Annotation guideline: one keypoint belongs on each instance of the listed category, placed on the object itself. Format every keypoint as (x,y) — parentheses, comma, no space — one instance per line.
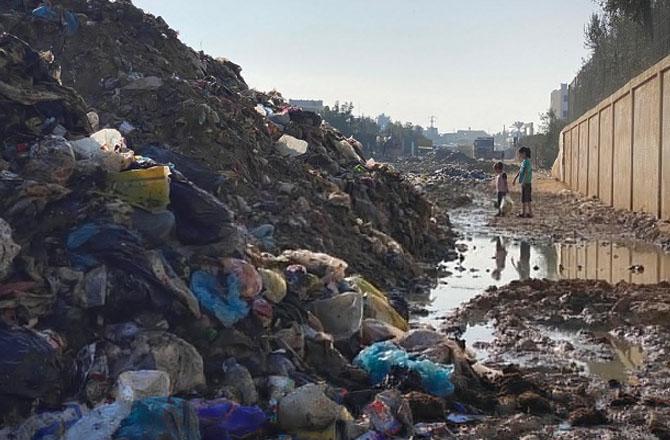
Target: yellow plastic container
(377,306)
(148,188)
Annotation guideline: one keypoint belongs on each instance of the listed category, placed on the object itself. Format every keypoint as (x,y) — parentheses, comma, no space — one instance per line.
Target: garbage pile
(448,178)
(144,294)
(280,170)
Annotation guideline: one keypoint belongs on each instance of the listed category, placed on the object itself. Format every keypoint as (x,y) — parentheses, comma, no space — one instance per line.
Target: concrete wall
(619,151)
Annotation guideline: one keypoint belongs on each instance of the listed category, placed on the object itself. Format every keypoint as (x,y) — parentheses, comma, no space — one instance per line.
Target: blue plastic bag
(222,419)
(225,304)
(378,360)
(47,13)
(70,22)
(160,418)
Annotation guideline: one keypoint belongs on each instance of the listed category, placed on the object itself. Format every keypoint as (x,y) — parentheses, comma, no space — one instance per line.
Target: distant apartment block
(307,104)
(559,102)
(383,121)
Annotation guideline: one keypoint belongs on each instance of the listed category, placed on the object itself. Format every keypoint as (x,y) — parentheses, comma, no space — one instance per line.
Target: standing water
(488,258)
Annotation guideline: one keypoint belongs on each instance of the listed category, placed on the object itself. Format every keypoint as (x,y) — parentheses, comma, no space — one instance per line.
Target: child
(525,177)
(501,186)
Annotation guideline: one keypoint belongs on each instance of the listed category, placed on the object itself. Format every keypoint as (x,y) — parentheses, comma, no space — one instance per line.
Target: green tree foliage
(366,130)
(625,38)
(545,143)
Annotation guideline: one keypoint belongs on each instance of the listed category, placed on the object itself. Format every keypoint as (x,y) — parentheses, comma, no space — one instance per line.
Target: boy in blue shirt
(525,177)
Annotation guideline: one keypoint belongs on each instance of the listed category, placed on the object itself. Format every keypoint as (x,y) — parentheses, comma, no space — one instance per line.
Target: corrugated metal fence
(619,151)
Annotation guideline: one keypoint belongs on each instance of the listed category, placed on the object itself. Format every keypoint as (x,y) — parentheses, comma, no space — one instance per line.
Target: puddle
(624,355)
(497,261)
(477,337)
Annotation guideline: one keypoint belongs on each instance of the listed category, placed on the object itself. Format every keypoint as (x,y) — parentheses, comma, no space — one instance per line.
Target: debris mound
(177,251)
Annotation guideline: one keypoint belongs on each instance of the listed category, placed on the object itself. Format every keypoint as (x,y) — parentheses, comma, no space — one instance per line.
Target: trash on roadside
(379,358)
(223,419)
(147,188)
(159,418)
(340,315)
(8,249)
(52,424)
(291,147)
(274,285)
(307,408)
(106,148)
(137,385)
(214,298)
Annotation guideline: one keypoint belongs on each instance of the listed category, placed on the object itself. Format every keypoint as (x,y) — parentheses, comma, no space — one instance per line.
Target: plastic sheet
(379,358)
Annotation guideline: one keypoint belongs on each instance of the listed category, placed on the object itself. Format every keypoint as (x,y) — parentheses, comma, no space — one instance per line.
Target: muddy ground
(582,359)
(594,358)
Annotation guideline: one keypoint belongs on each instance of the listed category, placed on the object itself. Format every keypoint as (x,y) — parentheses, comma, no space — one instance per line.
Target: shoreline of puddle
(487,258)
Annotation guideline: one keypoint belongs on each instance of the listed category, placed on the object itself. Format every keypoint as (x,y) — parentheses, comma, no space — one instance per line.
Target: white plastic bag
(507,205)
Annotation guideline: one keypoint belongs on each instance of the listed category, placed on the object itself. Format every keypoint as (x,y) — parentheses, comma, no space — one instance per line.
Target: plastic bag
(221,419)
(100,423)
(201,218)
(378,360)
(226,306)
(507,205)
(137,385)
(50,425)
(30,368)
(160,418)
(341,315)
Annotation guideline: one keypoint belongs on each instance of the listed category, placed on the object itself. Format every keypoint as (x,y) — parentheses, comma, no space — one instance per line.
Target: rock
(421,339)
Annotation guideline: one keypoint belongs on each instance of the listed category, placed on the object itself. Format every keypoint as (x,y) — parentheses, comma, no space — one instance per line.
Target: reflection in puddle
(609,262)
(496,261)
(477,337)
(626,357)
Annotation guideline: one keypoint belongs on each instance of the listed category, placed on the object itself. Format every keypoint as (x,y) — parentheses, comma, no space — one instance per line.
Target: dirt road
(562,215)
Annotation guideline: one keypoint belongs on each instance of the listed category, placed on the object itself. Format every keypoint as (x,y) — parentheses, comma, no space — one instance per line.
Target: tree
(639,11)
(595,32)
(550,128)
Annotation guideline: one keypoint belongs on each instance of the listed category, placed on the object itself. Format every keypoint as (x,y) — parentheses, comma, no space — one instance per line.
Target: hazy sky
(471,63)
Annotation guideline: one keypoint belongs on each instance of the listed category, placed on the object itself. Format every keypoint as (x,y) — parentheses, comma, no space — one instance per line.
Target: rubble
(184,257)
(168,269)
